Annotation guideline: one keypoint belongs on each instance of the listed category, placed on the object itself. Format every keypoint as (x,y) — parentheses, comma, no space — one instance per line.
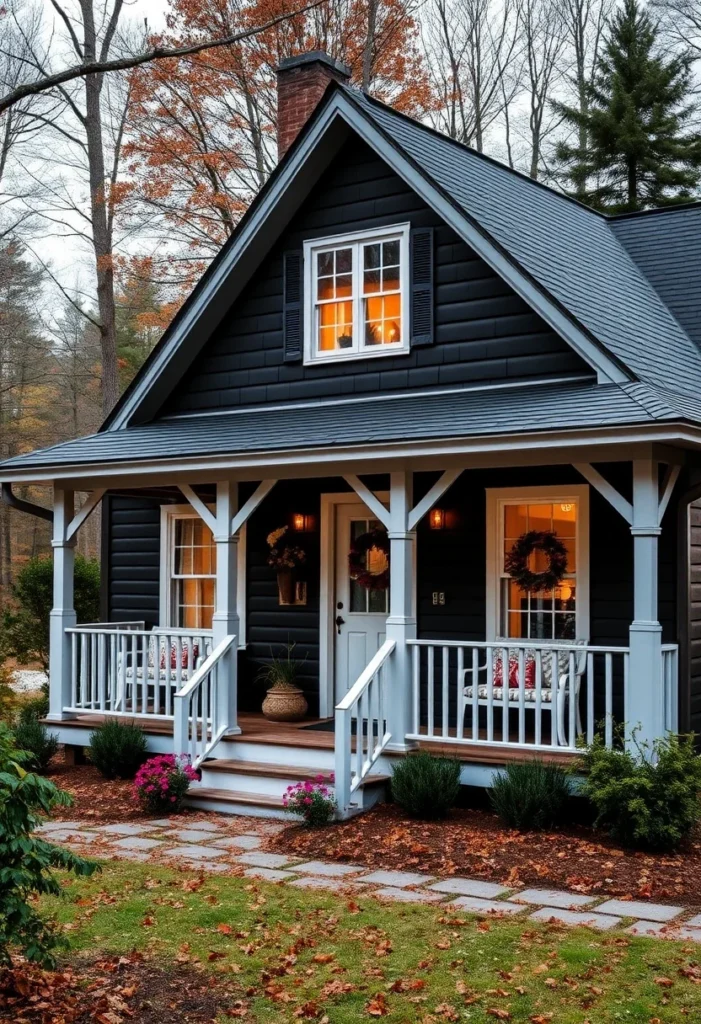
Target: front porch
(450,654)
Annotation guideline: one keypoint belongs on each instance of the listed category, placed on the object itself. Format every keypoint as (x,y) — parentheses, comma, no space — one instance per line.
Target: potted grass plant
(284,701)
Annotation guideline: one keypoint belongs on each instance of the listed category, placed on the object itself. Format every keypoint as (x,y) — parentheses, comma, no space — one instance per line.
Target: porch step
(230,801)
(277,771)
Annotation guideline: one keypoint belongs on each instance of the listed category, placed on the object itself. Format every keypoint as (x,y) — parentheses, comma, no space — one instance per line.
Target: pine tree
(638,153)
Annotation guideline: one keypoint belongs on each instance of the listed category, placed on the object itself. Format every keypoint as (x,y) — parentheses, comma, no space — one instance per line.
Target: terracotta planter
(284,705)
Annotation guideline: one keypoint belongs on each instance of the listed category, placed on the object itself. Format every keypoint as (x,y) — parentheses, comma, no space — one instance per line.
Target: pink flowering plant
(312,800)
(162,782)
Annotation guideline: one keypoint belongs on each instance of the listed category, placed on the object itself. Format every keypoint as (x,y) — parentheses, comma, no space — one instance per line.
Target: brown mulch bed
(114,990)
(474,843)
(96,799)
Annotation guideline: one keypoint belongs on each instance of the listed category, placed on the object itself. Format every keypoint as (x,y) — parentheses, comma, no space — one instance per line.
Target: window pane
(327,339)
(373,333)
(565,519)
(390,253)
(325,288)
(371,281)
(392,306)
(183,561)
(371,256)
(515,520)
(390,279)
(377,601)
(324,263)
(344,261)
(539,517)
(344,286)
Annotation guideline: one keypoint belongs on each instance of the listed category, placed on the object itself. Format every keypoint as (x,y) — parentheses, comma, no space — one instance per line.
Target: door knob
(340,621)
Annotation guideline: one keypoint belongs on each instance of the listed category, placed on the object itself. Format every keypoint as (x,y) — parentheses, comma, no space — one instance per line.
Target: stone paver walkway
(204,845)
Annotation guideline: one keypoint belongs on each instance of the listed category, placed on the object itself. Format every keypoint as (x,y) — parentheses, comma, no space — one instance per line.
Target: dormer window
(357,295)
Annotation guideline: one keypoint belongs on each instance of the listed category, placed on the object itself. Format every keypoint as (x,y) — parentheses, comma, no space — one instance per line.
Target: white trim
(168,514)
(341,107)
(606,490)
(86,509)
(239,521)
(355,240)
(378,509)
(670,479)
(327,591)
(497,498)
(200,508)
(613,437)
(577,378)
(442,484)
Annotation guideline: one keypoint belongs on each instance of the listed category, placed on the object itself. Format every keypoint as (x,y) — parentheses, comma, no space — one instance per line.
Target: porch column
(63,615)
(401,622)
(645,696)
(225,620)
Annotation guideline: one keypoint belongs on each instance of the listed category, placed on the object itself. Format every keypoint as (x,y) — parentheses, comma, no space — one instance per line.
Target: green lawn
(290,955)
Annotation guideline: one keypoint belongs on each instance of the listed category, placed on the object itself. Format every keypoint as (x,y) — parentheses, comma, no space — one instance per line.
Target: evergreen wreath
(516,563)
(356,558)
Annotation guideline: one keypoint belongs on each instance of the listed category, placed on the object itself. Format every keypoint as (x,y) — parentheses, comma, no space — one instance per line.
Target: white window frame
(169,515)
(355,240)
(497,499)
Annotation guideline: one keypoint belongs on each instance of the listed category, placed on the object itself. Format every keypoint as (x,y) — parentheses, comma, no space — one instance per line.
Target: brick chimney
(301,82)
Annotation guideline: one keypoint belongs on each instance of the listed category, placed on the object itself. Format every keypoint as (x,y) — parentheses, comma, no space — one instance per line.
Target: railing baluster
(609,701)
(416,674)
(590,698)
(505,686)
(74,670)
(490,694)
(554,698)
(114,642)
(475,690)
(145,647)
(445,691)
(521,696)
(430,693)
(460,693)
(538,732)
(573,696)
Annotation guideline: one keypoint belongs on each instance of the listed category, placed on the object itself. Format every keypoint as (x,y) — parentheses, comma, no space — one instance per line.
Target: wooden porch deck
(257,729)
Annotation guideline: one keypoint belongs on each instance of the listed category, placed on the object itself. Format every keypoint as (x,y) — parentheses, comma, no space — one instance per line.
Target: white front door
(359,613)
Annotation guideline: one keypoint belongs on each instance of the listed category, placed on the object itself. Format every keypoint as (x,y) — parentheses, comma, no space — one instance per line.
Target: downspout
(11,499)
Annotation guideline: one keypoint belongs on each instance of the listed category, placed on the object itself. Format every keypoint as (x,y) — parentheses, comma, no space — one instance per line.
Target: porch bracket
(607,490)
(248,508)
(436,492)
(670,478)
(373,503)
(199,506)
(88,506)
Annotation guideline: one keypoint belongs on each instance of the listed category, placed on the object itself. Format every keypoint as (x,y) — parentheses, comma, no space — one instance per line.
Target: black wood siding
(484,331)
(452,561)
(695,616)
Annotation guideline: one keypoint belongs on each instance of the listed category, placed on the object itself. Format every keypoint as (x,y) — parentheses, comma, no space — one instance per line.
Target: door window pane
(547,614)
(362,599)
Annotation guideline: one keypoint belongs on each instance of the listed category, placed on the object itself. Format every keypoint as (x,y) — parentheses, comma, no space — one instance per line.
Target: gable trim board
(271,211)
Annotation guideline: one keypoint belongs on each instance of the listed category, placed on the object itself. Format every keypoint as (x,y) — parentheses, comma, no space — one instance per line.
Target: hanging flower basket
(359,557)
(516,563)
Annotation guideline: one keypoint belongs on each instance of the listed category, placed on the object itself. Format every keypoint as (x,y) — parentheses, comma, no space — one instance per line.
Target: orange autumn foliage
(201,134)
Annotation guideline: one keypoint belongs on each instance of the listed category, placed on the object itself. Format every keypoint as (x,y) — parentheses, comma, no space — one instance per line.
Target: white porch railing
(364,705)
(670,684)
(117,669)
(201,707)
(556,692)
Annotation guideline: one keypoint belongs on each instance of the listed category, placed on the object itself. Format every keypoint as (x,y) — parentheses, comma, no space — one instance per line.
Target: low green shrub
(26,859)
(645,795)
(33,708)
(118,749)
(426,786)
(37,741)
(530,794)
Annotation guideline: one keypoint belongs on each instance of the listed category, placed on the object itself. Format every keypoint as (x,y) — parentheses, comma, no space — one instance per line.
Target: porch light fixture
(436,519)
(302,523)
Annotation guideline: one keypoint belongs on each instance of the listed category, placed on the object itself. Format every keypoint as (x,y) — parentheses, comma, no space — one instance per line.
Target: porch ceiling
(517,418)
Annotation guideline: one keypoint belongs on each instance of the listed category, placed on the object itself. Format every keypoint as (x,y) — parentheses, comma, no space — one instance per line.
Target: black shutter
(422,286)
(293,306)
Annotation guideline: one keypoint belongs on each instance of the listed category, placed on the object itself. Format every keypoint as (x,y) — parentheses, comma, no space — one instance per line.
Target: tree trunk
(369,48)
(101,233)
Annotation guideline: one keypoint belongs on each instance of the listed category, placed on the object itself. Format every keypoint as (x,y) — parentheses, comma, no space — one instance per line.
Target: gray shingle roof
(413,417)
(666,245)
(574,253)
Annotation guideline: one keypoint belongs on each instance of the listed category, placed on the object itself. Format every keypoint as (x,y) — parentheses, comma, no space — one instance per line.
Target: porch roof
(519,410)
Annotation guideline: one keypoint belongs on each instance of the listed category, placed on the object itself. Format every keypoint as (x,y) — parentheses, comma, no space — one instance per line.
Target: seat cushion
(546,695)
(162,674)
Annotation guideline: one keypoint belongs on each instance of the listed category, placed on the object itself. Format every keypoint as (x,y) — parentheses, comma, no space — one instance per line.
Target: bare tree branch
(101,67)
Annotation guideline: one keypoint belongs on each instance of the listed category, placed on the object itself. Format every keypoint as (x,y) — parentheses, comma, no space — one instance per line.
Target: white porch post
(63,613)
(645,691)
(225,620)
(401,622)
